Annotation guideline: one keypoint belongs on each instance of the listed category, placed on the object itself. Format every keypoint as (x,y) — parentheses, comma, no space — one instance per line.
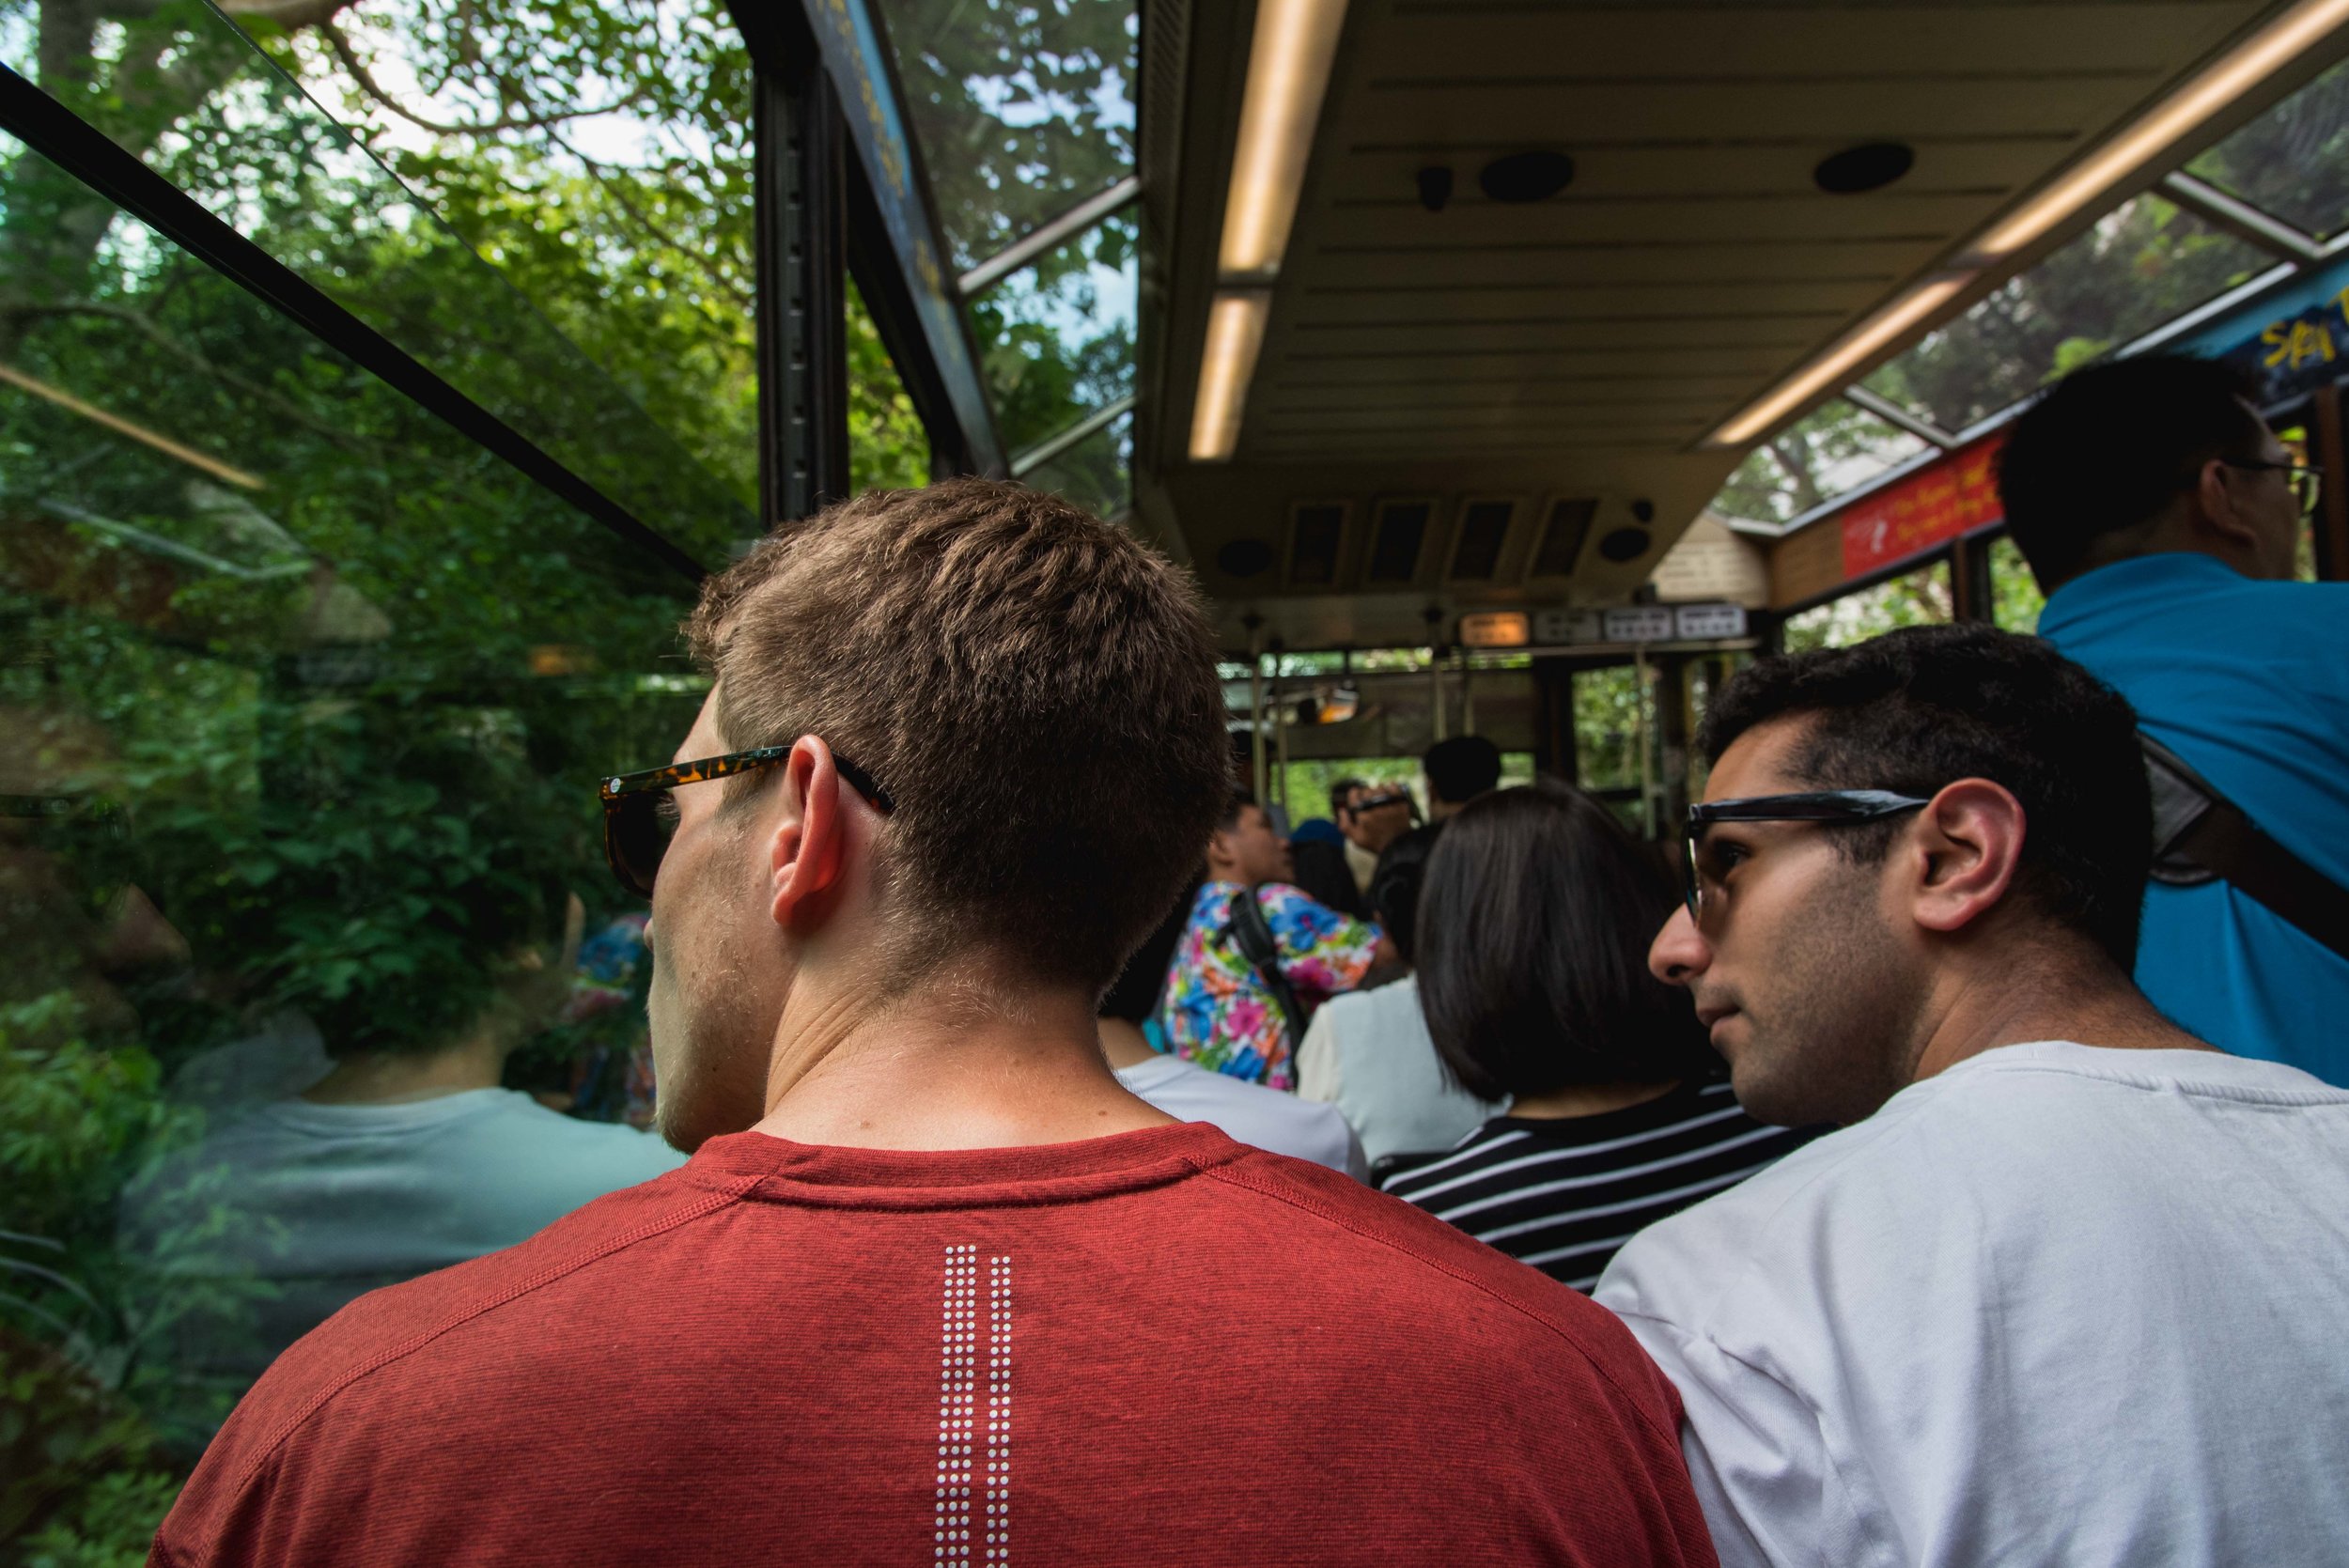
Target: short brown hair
(1034,686)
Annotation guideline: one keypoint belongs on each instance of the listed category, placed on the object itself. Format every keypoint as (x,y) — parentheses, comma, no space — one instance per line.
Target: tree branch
(293,15)
(341,44)
(600,174)
(1795,464)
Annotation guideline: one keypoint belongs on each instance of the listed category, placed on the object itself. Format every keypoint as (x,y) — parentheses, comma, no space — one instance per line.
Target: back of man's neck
(948,1075)
(2080,998)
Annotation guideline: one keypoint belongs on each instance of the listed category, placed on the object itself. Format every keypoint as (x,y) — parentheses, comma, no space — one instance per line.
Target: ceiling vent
(1396,541)
(1316,531)
(1563,532)
(1476,548)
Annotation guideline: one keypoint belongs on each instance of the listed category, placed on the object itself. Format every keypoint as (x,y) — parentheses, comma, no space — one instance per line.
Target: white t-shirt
(325,1202)
(2055,1305)
(1266,1118)
(1368,1053)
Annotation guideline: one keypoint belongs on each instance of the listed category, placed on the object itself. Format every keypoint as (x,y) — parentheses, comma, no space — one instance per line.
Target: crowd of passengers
(1887,1174)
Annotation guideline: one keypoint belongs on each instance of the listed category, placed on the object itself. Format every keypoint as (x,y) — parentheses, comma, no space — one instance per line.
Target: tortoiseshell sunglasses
(636,829)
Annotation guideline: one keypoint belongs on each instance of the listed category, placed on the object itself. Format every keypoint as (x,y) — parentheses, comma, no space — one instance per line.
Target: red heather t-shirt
(1158,1348)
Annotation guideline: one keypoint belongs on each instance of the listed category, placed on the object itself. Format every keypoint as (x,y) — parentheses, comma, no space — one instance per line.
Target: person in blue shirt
(2163,519)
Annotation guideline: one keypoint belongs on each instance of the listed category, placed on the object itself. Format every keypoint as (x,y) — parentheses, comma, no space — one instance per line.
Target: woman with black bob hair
(1532,933)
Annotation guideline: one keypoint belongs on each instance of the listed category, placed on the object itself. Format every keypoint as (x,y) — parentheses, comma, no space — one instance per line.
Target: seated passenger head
(1458,771)
(1531,961)
(1029,702)
(1395,885)
(2010,849)
(1244,848)
(1373,816)
(2146,456)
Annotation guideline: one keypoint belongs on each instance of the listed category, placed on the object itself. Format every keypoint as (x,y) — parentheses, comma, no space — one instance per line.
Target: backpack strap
(1252,934)
(2199,834)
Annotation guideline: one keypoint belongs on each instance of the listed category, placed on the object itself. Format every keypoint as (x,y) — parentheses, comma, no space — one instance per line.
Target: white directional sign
(1700,623)
(1560,628)
(1646,623)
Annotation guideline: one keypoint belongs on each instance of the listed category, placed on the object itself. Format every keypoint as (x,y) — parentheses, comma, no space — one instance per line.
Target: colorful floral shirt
(1216,1010)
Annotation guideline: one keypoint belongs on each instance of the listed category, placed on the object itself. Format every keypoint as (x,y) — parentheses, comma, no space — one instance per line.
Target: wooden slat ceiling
(1586,344)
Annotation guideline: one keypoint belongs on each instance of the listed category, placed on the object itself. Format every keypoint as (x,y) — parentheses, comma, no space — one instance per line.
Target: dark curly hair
(1919,709)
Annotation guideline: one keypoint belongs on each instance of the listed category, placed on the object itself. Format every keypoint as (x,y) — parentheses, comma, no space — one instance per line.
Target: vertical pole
(1467,695)
(1255,716)
(1279,739)
(1434,693)
(1971,595)
(1554,748)
(802,291)
(1672,723)
(1640,730)
(2332,517)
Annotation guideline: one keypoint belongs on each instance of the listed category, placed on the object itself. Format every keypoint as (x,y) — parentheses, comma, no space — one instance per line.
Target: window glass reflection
(1056,341)
(2141,265)
(1095,474)
(1918,597)
(1828,452)
(309,936)
(2293,159)
(1023,109)
(567,239)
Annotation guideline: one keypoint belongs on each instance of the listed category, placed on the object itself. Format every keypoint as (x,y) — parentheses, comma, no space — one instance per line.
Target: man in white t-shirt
(2071,1285)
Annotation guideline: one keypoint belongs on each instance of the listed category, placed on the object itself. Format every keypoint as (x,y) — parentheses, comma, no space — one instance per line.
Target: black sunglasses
(1833,808)
(636,829)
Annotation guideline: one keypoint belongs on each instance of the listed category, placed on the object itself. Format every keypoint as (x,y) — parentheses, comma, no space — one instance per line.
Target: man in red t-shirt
(954,1297)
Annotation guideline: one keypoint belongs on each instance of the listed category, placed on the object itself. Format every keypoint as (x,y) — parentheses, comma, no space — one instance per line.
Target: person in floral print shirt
(1216,1011)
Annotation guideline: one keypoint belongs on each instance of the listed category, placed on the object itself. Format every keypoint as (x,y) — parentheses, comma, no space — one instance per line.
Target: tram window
(1835,448)
(2294,433)
(2293,159)
(1095,474)
(2143,264)
(1023,110)
(1056,339)
(1918,597)
(1613,719)
(306,699)
(1305,786)
(493,257)
(2015,596)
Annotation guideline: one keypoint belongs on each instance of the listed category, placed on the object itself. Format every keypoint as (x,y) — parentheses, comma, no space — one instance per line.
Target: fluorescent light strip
(2267,52)
(1235,334)
(1288,71)
(1833,368)
(2264,53)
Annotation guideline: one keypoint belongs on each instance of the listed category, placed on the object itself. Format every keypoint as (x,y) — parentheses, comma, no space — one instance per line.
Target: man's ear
(807,850)
(1962,853)
(2216,508)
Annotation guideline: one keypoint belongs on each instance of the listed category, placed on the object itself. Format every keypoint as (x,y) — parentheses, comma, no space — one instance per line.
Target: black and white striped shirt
(1564,1193)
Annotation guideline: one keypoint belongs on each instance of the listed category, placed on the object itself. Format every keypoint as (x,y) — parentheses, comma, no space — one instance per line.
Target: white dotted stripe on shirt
(999,1410)
(958,1411)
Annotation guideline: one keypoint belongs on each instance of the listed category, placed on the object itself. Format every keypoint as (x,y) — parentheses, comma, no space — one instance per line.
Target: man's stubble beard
(709,1053)
(1825,1041)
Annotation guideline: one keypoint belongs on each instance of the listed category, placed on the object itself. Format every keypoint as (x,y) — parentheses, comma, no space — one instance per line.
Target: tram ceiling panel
(1420,337)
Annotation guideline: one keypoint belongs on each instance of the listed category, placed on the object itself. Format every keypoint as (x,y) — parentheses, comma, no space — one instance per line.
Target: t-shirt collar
(833,1176)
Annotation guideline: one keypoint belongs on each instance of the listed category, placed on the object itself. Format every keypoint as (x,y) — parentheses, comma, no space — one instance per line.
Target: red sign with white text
(1932,506)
